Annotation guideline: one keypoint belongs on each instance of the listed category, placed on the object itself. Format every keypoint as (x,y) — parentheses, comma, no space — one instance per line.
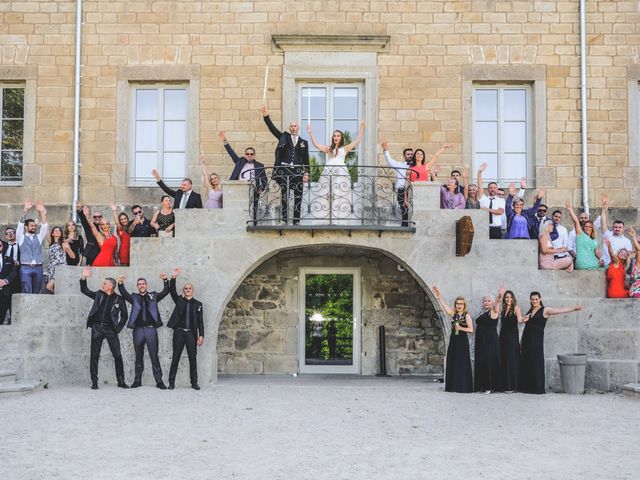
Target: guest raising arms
(57,249)
(214,188)
(532,378)
(164,220)
(122,230)
(458,377)
(634,277)
(588,255)
(75,241)
(470,191)
(511,316)
(616,272)
(521,223)
(108,243)
(423,168)
(487,376)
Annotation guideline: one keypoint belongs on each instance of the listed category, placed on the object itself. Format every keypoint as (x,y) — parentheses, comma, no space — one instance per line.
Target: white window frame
(144,181)
(331,86)
(530,154)
(24,119)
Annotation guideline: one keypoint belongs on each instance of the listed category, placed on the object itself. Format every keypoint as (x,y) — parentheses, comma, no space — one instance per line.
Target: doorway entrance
(329,320)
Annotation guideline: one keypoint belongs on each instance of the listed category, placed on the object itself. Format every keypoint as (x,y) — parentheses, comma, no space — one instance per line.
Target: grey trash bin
(572,370)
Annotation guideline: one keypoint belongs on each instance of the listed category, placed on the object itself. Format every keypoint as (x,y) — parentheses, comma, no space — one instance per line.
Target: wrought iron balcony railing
(331,197)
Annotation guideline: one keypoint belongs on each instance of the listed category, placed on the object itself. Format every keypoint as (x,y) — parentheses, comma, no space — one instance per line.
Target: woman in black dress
(487,353)
(511,316)
(532,348)
(458,377)
(75,242)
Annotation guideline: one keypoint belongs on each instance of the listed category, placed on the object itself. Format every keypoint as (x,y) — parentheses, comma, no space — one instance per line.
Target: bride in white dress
(331,200)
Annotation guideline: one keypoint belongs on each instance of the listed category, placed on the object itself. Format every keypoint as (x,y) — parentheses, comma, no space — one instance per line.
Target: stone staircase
(9,385)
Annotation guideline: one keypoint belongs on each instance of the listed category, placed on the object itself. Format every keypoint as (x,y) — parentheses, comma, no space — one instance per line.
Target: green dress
(585,253)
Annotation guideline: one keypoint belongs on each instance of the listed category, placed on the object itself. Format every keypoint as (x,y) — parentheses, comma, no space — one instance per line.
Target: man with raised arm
(185,197)
(145,321)
(30,243)
(106,319)
(492,204)
(291,167)
(615,236)
(401,174)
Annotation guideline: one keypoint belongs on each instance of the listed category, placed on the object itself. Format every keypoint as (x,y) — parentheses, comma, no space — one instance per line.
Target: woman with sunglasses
(532,378)
(122,230)
(106,240)
(588,255)
(458,376)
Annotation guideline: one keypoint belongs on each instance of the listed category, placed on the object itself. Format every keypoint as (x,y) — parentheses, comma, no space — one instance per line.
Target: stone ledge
(631,390)
(366,43)
(22,386)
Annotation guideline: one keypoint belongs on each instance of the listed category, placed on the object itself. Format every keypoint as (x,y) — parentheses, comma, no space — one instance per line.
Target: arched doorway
(260,329)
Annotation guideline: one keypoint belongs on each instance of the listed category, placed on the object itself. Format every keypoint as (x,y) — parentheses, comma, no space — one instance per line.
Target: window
(502,134)
(333,107)
(159,133)
(11,133)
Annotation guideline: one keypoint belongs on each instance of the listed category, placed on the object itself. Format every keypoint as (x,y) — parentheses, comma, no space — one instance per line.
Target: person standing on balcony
(30,244)
(291,167)
(401,178)
(183,198)
(492,204)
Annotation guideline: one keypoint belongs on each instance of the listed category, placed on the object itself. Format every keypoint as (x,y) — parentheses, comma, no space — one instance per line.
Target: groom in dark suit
(145,321)
(107,318)
(187,322)
(183,198)
(291,168)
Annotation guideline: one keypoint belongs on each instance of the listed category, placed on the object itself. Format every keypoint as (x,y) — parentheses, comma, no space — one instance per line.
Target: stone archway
(258,332)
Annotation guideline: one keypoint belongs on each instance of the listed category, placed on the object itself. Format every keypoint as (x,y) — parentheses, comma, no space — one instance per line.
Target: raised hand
(155,174)
(605,200)
(578,308)
(121,279)
(385,145)
(483,166)
(221,135)
(631,232)
(362,125)
(28,205)
(567,205)
(465,172)
(523,182)
(501,291)
(308,127)
(86,211)
(176,272)
(86,272)
(436,291)
(113,207)
(163,276)
(540,193)
(40,206)
(512,189)
(263,110)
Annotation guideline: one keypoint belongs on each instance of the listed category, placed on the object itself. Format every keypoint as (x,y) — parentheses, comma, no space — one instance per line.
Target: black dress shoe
(171,386)
(122,385)
(94,386)
(195,386)
(136,384)
(161,386)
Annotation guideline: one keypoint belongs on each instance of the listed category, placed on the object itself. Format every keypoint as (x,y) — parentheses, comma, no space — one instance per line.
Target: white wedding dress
(330,201)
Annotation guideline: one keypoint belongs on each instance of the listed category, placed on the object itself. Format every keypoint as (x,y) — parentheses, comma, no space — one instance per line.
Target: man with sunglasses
(91,249)
(139,227)
(247,168)
(540,219)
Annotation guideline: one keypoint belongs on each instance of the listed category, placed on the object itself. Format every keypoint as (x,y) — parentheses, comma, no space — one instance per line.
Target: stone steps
(9,385)
(631,390)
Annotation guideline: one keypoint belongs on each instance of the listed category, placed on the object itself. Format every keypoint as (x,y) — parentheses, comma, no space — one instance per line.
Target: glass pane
(319,128)
(348,127)
(175,104)
(486,137)
(513,167)
(491,173)
(175,136)
(11,166)
(146,136)
(12,134)
(486,104)
(174,166)
(146,104)
(145,162)
(318,103)
(345,103)
(514,137)
(13,103)
(515,104)
(329,319)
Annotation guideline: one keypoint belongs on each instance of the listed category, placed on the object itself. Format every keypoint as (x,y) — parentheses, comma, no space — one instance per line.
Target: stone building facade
(417,65)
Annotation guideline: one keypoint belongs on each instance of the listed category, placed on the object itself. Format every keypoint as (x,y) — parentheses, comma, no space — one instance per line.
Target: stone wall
(258,332)
(224,46)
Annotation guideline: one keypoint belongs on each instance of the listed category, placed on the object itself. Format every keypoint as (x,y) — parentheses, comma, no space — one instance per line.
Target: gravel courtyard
(316,428)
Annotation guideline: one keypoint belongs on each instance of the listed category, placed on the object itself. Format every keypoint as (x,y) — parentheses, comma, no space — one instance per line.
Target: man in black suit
(188,329)
(249,169)
(11,250)
(291,165)
(7,275)
(183,198)
(145,321)
(107,318)
(91,249)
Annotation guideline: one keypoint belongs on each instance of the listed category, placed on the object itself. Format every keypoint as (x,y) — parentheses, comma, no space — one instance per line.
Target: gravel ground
(316,428)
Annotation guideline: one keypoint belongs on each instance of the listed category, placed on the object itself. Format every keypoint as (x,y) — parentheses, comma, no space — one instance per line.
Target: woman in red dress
(122,229)
(106,240)
(616,287)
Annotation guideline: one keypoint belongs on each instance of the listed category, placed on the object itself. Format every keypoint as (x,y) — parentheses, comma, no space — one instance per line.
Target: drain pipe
(76,113)
(583,105)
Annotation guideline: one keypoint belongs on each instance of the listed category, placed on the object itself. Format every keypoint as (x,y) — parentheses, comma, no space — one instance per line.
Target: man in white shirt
(559,235)
(492,204)
(401,174)
(30,243)
(616,237)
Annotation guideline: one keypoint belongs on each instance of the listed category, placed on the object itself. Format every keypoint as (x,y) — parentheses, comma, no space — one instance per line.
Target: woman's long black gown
(532,355)
(487,365)
(458,377)
(510,352)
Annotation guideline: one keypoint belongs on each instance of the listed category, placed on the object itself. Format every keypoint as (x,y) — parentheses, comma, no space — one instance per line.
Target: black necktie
(144,309)
(11,252)
(187,320)
(490,214)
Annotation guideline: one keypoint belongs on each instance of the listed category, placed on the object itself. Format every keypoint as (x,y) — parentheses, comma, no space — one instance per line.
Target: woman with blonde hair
(75,242)
(487,376)
(214,188)
(458,376)
(588,255)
